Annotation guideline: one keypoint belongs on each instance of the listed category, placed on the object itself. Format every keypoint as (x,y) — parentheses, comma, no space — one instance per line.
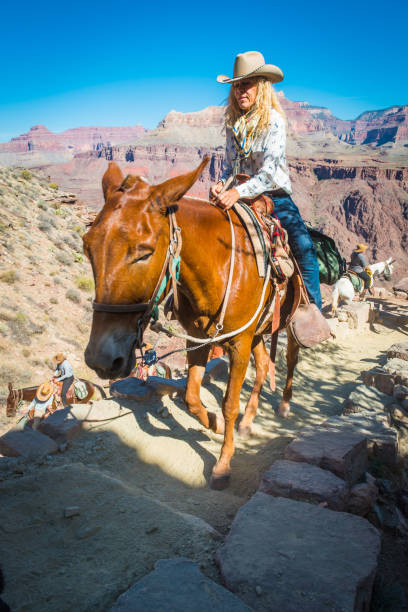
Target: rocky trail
(81,526)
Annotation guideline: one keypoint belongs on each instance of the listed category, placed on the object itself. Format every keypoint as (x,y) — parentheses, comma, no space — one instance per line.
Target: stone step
(400,351)
(28,443)
(175,585)
(343,453)
(382,440)
(366,399)
(288,555)
(380,379)
(305,482)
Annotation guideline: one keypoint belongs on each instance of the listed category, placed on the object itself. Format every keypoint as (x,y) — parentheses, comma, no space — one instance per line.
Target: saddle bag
(306,323)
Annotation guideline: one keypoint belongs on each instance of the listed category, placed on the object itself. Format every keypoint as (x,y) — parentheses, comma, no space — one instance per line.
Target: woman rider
(256,141)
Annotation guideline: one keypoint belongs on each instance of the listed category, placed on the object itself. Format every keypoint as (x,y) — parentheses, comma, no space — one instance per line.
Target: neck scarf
(245,131)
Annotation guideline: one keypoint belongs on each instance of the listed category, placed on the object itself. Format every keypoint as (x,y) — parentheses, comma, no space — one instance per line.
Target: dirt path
(145,456)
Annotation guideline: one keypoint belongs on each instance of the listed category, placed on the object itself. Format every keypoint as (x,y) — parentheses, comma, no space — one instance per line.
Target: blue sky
(121,63)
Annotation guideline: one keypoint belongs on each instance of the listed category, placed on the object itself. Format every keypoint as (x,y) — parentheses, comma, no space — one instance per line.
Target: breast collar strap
(171,263)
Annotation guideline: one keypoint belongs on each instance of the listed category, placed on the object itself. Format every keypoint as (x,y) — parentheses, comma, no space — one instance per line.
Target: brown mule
(127,246)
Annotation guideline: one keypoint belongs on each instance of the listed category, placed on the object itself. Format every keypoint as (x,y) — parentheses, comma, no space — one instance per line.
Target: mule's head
(127,245)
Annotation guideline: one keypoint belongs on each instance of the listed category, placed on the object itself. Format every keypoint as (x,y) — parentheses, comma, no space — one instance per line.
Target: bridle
(170,271)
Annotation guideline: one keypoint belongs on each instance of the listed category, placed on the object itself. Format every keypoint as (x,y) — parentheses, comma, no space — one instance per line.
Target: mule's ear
(10,386)
(169,192)
(112,179)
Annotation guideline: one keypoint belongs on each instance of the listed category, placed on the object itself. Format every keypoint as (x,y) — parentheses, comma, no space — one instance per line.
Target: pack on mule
(146,234)
(332,264)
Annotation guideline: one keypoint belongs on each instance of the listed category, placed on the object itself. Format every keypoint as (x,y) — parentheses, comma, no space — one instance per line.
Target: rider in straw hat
(63,373)
(359,264)
(42,400)
(256,142)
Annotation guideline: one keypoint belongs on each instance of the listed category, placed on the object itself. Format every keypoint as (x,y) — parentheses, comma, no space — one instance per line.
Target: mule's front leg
(196,367)
(261,364)
(239,358)
(291,361)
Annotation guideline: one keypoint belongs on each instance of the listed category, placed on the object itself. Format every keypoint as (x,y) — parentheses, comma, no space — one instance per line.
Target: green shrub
(26,174)
(9,276)
(73,295)
(61,212)
(79,258)
(85,283)
(43,205)
(64,258)
(53,186)
(47,218)
(79,229)
(45,227)
(53,300)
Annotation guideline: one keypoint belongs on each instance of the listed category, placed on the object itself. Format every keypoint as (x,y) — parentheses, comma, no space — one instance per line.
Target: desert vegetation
(45,280)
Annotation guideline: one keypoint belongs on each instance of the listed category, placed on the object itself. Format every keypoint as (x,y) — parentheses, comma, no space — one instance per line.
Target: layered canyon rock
(343,182)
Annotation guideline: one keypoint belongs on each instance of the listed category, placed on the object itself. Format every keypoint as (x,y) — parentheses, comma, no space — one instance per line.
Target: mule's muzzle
(111,360)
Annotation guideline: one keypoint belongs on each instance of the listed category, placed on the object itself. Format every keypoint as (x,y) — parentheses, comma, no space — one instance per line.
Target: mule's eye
(141,258)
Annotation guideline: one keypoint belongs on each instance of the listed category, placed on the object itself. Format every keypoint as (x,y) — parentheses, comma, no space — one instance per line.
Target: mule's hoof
(219,483)
(284,410)
(245,432)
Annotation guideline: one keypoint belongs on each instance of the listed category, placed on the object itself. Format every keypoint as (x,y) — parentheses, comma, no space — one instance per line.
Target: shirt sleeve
(363,260)
(228,158)
(66,370)
(273,149)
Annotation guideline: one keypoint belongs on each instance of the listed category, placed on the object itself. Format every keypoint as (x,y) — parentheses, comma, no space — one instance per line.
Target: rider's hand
(215,190)
(228,199)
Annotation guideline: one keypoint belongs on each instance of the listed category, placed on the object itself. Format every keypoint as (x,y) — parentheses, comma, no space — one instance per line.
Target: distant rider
(42,401)
(63,373)
(359,264)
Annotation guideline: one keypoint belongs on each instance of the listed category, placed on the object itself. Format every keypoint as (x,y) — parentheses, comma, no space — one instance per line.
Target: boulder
(131,388)
(28,443)
(400,393)
(283,554)
(358,314)
(175,585)
(399,350)
(398,368)
(343,453)
(362,498)
(382,440)
(366,399)
(216,369)
(61,426)
(380,379)
(166,386)
(305,482)
(402,285)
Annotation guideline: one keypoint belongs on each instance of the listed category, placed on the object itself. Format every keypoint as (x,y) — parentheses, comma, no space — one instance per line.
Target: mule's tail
(335,299)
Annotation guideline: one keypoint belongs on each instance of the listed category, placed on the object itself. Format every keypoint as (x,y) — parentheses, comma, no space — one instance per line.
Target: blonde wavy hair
(266,99)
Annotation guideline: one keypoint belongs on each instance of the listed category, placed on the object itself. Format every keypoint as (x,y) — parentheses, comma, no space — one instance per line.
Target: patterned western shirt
(266,164)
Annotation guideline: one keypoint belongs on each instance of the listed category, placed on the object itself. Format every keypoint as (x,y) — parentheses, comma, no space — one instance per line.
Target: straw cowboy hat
(44,392)
(59,358)
(249,64)
(361,247)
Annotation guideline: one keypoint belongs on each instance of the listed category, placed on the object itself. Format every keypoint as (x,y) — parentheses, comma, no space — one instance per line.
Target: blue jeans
(301,244)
